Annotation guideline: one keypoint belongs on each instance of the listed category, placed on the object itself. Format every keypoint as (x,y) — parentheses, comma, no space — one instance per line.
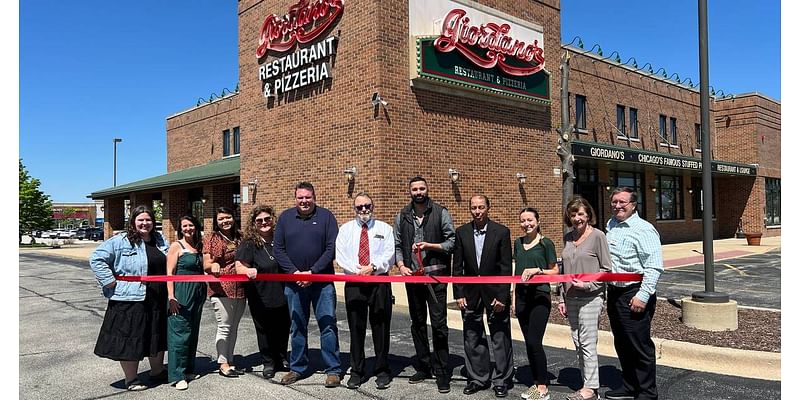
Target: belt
(615,288)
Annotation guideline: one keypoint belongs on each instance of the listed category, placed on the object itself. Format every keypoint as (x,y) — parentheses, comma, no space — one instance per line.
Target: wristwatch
(374,268)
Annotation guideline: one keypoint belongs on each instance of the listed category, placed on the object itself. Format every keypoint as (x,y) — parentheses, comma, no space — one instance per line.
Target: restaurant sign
(625,154)
(466,44)
(281,70)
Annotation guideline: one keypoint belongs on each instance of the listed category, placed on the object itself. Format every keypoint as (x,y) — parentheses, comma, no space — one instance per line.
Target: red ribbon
(595,277)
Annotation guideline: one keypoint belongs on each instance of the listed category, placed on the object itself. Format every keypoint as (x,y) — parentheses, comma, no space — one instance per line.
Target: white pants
(228,313)
(584,317)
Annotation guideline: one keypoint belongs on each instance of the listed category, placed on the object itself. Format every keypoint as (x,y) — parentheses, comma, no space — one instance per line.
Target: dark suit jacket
(495,260)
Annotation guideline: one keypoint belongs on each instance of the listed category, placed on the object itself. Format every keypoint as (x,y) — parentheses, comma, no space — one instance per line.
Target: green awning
(214,170)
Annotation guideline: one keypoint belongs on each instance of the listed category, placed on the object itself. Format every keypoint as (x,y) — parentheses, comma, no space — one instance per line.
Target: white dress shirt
(381,246)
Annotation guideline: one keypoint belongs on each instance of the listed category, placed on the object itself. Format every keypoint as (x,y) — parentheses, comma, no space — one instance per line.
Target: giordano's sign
(470,46)
(612,153)
(290,50)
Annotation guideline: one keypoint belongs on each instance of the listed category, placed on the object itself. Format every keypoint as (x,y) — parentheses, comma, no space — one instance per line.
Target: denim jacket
(117,256)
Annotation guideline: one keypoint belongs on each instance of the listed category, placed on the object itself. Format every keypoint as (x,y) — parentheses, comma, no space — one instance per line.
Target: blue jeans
(323,297)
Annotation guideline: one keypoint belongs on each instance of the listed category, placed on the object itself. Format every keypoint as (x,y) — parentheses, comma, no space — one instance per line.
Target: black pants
(272,331)
(420,302)
(476,345)
(371,301)
(533,311)
(635,348)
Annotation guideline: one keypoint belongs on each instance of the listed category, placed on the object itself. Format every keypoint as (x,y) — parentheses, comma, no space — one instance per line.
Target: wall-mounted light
(653,188)
(521,178)
(203,199)
(376,100)
(350,173)
(252,185)
(454,175)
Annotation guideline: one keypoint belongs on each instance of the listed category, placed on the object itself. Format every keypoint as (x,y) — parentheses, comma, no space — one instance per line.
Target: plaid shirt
(635,246)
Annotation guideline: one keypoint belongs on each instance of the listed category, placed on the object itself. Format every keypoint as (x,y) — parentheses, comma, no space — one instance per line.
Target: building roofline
(758,94)
(227,96)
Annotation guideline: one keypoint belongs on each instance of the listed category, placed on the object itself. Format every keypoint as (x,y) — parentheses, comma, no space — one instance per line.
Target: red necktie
(363,247)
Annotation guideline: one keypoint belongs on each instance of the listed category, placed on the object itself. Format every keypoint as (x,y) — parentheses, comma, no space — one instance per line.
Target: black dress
(133,330)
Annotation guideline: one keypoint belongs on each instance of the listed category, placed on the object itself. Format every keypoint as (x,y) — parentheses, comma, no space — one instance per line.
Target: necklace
(271,258)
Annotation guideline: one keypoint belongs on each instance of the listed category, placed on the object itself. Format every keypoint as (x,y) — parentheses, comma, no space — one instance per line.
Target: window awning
(214,170)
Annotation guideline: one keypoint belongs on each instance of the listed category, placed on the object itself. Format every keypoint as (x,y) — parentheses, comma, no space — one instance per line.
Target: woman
(185,301)
(534,254)
(585,251)
(135,322)
(219,253)
(266,300)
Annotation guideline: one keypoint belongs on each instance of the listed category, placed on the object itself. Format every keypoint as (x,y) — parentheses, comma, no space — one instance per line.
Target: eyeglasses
(363,207)
(620,203)
(263,220)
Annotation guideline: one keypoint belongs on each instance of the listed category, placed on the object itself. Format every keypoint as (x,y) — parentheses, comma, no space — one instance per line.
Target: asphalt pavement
(61,309)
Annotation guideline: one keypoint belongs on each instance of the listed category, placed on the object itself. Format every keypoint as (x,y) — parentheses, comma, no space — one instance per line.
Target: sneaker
(354,382)
(290,378)
(182,385)
(533,394)
(383,381)
(418,377)
(618,394)
(443,384)
(579,396)
(332,381)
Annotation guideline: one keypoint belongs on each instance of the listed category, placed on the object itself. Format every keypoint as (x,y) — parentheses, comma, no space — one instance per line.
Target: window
(634,123)
(662,128)
(668,197)
(772,214)
(698,138)
(580,112)
(621,121)
(236,140)
(226,143)
(634,181)
(697,199)
(673,130)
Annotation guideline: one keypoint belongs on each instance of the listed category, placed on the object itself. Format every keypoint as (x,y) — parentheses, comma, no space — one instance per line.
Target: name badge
(377,236)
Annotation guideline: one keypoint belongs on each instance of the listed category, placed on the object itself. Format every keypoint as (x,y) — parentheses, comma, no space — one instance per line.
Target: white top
(381,246)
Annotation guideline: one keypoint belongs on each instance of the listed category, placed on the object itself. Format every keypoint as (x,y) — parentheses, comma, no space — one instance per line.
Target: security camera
(376,99)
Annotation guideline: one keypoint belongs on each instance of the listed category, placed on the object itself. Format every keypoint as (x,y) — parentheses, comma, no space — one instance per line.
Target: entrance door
(587,187)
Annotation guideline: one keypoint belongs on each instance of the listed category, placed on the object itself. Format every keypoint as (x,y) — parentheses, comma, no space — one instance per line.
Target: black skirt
(133,330)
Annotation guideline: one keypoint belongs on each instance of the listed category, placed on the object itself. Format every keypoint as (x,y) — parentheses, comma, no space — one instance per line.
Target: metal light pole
(116,140)
(708,295)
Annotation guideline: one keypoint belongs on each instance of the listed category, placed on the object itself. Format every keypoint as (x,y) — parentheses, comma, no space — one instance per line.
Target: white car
(65,235)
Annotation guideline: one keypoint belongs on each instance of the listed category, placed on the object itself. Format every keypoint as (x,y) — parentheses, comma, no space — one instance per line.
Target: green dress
(183,328)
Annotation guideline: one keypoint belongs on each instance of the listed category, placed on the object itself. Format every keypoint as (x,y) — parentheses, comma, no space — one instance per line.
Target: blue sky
(93,70)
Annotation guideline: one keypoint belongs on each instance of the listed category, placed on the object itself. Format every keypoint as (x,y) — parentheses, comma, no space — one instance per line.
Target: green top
(543,255)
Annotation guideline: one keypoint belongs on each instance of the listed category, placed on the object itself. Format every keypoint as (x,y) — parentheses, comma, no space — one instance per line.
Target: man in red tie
(365,247)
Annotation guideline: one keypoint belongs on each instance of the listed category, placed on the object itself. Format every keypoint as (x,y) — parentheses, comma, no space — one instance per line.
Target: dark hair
(305,185)
(133,234)
(535,214)
(625,189)
(574,206)
(484,197)
(197,237)
(225,210)
(250,231)
(417,179)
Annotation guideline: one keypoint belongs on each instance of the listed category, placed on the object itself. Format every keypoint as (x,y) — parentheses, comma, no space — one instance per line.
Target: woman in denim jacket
(135,323)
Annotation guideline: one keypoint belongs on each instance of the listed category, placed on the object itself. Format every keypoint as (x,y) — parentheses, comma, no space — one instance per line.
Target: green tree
(35,207)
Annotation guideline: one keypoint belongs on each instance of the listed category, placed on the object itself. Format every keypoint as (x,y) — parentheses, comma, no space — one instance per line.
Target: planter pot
(753,239)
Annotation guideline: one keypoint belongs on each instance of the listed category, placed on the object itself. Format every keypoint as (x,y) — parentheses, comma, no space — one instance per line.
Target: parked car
(65,235)
(50,234)
(80,233)
(94,234)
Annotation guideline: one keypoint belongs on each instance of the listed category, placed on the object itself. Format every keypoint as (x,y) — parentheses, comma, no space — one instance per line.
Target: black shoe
(474,387)
(228,373)
(500,391)
(418,377)
(268,372)
(354,382)
(443,384)
(619,394)
(383,381)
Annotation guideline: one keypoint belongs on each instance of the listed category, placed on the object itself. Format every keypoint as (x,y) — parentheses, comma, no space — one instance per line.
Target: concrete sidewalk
(727,361)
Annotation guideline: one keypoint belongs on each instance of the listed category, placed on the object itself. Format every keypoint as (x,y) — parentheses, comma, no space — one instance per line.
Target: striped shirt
(635,246)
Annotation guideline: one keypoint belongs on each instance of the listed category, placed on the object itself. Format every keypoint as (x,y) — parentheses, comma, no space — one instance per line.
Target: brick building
(393,89)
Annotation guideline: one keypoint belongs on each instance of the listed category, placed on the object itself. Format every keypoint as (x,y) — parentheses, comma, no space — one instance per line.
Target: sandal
(135,385)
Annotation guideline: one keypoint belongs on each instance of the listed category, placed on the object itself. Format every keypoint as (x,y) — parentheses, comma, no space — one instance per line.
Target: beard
(364,218)
(420,199)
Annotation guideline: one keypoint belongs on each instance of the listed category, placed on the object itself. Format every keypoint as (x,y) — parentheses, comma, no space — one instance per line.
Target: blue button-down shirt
(480,237)
(635,246)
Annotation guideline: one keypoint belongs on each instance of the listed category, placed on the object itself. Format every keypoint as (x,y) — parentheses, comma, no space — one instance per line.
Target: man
(305,237)
(635,247)
(483,248)
(424,229)
(365,247)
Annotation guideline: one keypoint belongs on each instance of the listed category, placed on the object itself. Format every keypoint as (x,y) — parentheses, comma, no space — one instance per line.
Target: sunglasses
(263,220)
(363,207)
